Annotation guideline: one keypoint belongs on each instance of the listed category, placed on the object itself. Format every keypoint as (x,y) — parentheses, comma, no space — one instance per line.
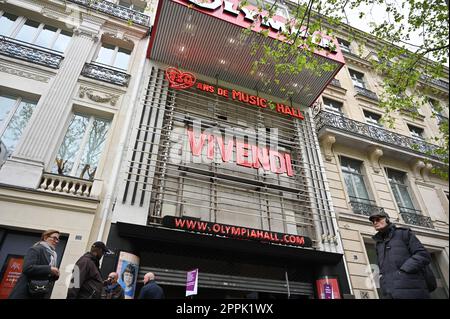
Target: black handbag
(38,288)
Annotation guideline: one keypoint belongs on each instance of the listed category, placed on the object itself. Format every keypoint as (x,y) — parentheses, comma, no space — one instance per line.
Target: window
(113,56)
(357,78)
(416,132)
(397,181)
(436,110)
(372,118)
(345,45)
(81,148)
(354,180)
(34,32)
(135,5)
(15,112)
(332,105)
(6,23)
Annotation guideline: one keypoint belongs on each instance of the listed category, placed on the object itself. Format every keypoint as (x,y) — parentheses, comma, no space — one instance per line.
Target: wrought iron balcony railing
(367,93)
(374,133)
(27,52)
(437,82)
(336,82)
(414,217)
(105,74)
(364,206)
(116,11)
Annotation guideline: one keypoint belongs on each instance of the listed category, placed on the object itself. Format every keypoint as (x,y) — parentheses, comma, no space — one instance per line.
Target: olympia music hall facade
(224,174)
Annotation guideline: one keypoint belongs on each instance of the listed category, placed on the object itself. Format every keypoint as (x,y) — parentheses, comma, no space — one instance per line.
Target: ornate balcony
(27,52)
(115,11)
(364,206)
(65,185)
(366,93)
(105,74)
(377,134)
(436,82)
(414,217)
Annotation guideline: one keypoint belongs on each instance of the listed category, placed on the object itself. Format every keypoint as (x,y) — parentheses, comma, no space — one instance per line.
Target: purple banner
(191,282)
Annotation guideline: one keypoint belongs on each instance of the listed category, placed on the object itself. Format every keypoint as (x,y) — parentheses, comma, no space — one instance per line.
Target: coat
(36,266)
(402,260)
(151,290)
(90,283)
(114,292)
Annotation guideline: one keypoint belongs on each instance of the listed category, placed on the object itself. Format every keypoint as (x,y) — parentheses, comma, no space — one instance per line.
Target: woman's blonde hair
(48,233)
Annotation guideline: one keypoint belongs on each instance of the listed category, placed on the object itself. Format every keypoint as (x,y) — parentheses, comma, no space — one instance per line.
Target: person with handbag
(39,269)
(402,260)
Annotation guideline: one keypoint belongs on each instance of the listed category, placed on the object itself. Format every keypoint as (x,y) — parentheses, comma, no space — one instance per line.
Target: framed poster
(127,269)
(12,270)
(328,288)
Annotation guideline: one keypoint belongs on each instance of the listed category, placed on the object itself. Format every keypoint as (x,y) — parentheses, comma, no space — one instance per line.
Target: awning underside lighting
(196,42)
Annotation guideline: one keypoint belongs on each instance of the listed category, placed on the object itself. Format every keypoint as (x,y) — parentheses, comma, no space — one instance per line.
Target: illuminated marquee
(247,155)
(184,80)
(237,232)
(249,14)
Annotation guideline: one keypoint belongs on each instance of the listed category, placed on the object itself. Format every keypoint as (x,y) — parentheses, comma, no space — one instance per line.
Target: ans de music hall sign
(181,80)
(237,232)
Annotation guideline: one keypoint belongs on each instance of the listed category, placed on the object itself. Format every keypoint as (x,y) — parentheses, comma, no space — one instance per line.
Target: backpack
(428,274)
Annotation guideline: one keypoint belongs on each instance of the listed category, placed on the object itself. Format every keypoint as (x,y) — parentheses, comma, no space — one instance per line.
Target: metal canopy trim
(234,246)
(194,40)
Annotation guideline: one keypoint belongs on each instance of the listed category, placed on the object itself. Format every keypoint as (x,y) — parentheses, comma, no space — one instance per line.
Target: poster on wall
(328,288)
(127,269)
(10,275)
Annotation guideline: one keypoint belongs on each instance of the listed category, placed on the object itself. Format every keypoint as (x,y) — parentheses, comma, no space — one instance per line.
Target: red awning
(209,42)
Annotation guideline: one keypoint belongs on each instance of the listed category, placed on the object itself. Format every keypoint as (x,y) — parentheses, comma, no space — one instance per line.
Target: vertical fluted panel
(54,105)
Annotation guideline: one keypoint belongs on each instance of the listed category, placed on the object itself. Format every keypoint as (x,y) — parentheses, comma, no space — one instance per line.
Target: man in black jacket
(151,289)
(86,280)
(401,258)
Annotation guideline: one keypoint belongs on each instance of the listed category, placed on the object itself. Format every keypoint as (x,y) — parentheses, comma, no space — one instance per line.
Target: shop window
(7,21)
(354,180)
(397,181)
(372,118)
(82,146)
(416,132)
(37,33)
(113,56)
(332,105)
(357,78)
(13,248)
(345,45)
(15,112)
(441,291)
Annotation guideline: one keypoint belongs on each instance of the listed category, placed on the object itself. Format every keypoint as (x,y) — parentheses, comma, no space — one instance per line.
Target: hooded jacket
(402,260)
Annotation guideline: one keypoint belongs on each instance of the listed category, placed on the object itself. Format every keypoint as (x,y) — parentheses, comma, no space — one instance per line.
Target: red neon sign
(237,232)
(179,80)
(247,155)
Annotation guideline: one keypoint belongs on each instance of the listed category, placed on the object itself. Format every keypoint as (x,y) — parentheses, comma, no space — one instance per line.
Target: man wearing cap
(401,259)
(86,280)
